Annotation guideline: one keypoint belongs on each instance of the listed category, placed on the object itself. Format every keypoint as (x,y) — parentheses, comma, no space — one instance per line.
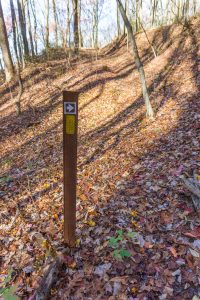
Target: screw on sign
(70,129)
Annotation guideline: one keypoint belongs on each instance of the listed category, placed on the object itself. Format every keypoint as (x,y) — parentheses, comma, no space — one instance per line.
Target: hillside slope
(128,172)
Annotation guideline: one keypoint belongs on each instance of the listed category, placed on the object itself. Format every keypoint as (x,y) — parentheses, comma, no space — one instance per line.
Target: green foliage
(120,253)
(131,234)
(113,242)
(6,161)
(4,179)
(7,292)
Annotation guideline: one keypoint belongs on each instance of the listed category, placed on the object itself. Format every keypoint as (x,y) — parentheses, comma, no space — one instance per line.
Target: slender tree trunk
(138,62)
(14,24)
(9,69)
(55,22)
(151,45)
(47,26)
(30,28)
(154,6)
(68,31)
(118,23)
(15,35)
(127,13)
(124,29)
(63,38)
(79,22)
(96,24)
(22,22)
(137,15)
(20,92)
(35,25)
(76,26)
(187,11)
(19,47)
(164,17)
(194,7)
(93,28)
(1,66)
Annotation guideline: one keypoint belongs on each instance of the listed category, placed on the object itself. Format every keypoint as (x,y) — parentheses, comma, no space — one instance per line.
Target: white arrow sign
(70,108)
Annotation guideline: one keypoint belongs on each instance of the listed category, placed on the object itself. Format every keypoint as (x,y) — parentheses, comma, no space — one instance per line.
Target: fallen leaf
(194,253)
(134,213)
(91,223)
(102,269)
(173,251)
(194,233)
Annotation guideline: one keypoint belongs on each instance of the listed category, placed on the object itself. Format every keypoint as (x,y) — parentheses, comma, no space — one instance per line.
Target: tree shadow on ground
(11,125)
(110,134)
(38,74)
(168,150)
(12,122)
(124,123)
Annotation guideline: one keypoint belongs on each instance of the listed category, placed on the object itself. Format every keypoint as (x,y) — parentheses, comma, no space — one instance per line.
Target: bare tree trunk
(151,45)
(127,13)
(9,69)
(55,22)
(76,26)
(164,17)
(30,28)
(20,92)
(22,22)
(19,46)
(14,24)
(79,21)
(96,23)
(124,29)
(47,26)
(118,23)
(137,15)
(186,11)
(35,25)
(1,66)
(68,31)
(15,33)
(149,110)
(154,9)
(194,7)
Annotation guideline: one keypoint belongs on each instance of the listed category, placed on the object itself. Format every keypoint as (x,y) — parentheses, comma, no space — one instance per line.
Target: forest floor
(138,235)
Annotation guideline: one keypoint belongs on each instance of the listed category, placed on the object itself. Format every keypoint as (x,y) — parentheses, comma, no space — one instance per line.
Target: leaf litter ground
(138,236)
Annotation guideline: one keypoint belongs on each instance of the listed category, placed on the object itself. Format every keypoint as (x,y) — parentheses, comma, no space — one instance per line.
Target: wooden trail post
(70,129)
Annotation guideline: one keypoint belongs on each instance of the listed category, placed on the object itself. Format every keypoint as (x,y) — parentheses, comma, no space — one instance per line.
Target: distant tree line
(27,32)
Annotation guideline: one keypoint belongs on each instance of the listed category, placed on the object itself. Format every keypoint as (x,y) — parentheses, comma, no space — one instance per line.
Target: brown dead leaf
(173,251)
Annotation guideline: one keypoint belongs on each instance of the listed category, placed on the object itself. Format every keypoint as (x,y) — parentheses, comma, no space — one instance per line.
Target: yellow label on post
(70,124)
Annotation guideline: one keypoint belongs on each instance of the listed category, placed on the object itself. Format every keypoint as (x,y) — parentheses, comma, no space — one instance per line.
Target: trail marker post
(70,129)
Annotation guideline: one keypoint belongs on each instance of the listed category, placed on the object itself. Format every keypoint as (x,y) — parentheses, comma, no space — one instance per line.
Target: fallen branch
(193,185)
(49,279)
(20,92)
(9,227)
